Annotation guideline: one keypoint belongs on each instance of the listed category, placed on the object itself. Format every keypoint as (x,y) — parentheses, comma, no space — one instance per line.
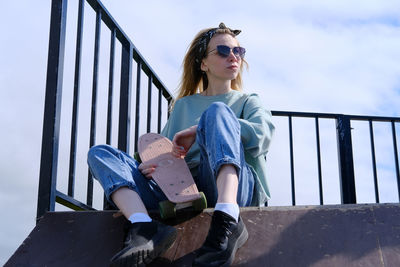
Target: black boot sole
(139,257)
(240,242)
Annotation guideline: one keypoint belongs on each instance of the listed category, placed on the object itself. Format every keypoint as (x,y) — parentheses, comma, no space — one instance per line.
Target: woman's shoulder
(251,100)
(232,96)
(245,96)
(238,93)
(188,98)
(185,102)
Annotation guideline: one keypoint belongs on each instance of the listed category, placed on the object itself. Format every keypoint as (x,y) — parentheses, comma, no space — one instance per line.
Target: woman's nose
(233,57)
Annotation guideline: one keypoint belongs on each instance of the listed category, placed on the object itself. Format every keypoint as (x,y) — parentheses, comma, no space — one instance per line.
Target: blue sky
(319,56)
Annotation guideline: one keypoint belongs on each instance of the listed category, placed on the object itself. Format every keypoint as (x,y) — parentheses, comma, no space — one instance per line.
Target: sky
(310,56)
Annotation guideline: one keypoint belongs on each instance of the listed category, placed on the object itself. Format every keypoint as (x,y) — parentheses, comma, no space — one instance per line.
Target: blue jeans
(218,136)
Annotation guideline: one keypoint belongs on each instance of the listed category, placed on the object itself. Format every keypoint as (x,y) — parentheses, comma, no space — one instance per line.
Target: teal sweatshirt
(256,131)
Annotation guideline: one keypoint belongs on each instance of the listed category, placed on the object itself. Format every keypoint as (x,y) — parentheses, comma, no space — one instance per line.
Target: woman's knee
(97,151)
(218,116)
(217,108)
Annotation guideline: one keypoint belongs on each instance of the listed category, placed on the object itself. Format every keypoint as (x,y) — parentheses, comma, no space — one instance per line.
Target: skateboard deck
(172,174)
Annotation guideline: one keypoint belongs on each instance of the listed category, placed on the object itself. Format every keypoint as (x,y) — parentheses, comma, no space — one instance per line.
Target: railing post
(346,165)
(137,113)
(125,98)
(52,109)
(292,181)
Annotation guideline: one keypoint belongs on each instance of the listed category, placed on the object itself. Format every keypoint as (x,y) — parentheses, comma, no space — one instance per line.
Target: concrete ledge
(336,235)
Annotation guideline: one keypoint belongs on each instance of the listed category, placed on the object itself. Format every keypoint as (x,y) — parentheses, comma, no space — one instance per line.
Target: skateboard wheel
(167,209)
(137,157)
(201,203)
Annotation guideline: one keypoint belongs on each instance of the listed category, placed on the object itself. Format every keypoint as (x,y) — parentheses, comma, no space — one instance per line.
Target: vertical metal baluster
(396,156)
(89,196)
(106,205)
(169,105)
(159,111)
(371,135)
(52,109)
(149,103)
(125,98)
(292,162)
(110,87)
(321,197)
(75,107)
(137,115)
(345,154)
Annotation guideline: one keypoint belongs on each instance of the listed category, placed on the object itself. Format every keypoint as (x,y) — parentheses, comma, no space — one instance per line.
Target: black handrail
(48,194)
(345,150)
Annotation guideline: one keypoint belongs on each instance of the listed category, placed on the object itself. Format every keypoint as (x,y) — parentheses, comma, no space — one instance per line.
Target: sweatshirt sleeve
(167,130)
(256,127)
(173,124)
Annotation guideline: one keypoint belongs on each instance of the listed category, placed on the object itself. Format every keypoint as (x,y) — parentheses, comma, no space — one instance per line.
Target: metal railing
(344,149)
(49,195)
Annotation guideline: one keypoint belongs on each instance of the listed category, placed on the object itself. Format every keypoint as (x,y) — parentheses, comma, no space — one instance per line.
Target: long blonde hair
(194,80)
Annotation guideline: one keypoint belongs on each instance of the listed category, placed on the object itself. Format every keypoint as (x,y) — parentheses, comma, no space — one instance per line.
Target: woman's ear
(203,66)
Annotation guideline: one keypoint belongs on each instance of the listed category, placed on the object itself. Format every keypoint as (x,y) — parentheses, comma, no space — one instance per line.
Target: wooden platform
(350,235)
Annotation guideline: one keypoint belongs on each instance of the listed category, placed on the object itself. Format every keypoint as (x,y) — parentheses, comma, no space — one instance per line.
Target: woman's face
(217,67)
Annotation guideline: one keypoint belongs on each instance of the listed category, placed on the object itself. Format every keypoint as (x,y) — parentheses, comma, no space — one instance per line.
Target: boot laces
(219,231)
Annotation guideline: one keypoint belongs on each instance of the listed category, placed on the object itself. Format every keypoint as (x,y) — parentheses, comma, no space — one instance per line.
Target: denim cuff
(224,161)
(111,189)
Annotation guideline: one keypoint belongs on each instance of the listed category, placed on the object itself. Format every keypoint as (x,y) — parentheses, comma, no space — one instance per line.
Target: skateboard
(172,175)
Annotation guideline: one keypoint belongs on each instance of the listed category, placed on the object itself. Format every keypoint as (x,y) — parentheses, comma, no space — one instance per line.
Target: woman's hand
(147,169)
(182,141)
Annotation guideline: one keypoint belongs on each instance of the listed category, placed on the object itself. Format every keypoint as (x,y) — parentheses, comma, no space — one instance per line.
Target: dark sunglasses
(225,51)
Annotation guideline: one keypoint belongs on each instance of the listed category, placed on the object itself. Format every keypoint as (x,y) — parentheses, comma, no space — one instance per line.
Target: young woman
(222,133)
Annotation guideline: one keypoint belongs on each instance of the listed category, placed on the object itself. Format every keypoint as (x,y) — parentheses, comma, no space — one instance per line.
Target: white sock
(231,209)
(139,217)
